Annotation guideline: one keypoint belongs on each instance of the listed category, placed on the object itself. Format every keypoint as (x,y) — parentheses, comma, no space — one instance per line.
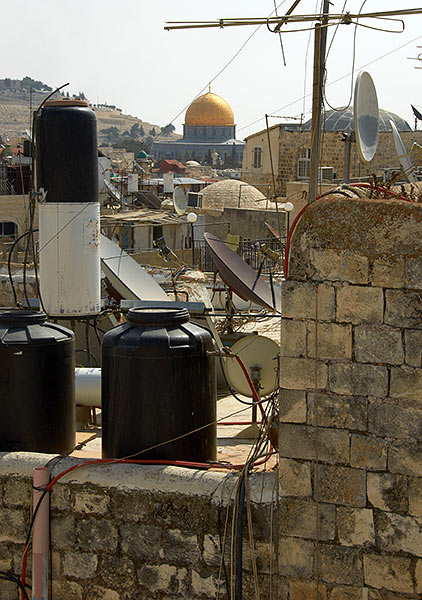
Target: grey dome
(341,119)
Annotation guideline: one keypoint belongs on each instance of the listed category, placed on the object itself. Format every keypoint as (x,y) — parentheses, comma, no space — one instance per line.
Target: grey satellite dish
(128,278)
(259,354)
(239,276)
(366,116)
(180,201)
(403,155)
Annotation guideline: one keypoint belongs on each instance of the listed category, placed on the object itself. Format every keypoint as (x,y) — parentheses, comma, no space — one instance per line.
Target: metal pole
(40,538)
(319,66)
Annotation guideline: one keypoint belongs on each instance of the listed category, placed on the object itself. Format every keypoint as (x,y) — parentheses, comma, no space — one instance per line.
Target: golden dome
(209,109)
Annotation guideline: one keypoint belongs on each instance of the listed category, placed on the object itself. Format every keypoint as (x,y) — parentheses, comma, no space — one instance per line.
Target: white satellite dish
(180,201)
(256,352)
(128,278)
(366,116)
(403,155)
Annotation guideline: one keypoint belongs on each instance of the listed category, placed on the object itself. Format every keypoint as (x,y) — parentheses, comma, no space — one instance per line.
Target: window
(257,157)
(8,229)
(303,163)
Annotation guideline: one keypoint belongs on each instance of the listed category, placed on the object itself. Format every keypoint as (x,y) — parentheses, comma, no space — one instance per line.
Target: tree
(141,131)
(168,129)
(134,131)
(111,133)
(153,132)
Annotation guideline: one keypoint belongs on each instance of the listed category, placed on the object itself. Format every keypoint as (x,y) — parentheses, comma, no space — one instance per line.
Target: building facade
(286,157)
(209,135)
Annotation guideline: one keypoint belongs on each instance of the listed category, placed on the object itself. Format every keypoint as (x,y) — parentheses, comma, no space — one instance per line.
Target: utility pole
(319,67)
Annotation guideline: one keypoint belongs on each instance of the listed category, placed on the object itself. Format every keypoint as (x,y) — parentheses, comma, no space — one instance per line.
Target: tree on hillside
(153,132)
(134,131)
(28,82)
(168,129)
(141,131)
(111,133)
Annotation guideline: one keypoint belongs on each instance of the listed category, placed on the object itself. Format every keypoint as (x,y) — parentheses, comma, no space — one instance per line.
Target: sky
(119,53)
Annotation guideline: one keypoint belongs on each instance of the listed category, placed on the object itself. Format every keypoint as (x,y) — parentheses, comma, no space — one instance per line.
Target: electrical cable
(9,264)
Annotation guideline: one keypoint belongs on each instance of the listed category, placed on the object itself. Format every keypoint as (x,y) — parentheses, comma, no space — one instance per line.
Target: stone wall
(350,405)
(126,532)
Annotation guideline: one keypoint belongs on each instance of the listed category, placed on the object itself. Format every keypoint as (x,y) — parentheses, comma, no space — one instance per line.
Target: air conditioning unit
(195,199)
(325,173)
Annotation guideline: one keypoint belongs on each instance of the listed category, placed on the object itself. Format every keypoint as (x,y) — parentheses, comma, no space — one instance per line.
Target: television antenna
(324,20)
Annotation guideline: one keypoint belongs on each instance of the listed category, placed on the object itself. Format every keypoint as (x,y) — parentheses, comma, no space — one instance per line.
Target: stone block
(303,374)
(307,590)
(294,478)
(91,502)
(14,524)
(79,565)
(378,344)
(339,564)
(298,518)
(61,497)
(359,304)
(17,492)
(67,590)
(129,505)
(211,550)
(403,308)
(342,412)
(334,341)
(358,379)
(415,496)
(355,526)
(391,420)
(97,592)
(406,383)
(180,547)
(398,533)
(326,302)
(388,274)
(387,491)
(97,534)
(63,532)
(298,300)
(292,406)
(300,441)
(368,452)
(349,593)
(413,274)
(295,557)
(205,586)
(293,338)
(390,572)
(140,541)
(117,572)
(162,578)
(340,485)
(413,347)
(339,265)
(405,458)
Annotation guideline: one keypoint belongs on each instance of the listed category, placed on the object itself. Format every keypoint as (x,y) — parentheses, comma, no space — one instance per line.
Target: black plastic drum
(158,384)
(37,397)
(66,151)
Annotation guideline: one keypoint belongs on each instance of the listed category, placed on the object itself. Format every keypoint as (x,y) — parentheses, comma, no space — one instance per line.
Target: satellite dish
(256,352)
(239,276)
(403,155)
(366,116)
(128,278)
(180,201)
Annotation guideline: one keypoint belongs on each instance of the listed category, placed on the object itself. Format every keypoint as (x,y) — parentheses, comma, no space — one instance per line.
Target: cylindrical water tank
(69,211)
(159,384)
(37,384)
(66,151)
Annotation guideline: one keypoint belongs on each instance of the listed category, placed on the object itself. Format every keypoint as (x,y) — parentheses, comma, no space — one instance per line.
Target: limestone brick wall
(350,405)
(126,532)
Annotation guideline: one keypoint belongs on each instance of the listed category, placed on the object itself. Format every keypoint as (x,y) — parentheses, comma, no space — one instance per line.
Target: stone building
(290,153)
(209,135)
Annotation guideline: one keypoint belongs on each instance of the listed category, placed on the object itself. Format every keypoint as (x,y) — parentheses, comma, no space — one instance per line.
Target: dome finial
(209,88)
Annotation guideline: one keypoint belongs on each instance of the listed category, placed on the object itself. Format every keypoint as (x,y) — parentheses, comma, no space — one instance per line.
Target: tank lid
(21,317)
(157,316)
(67,102)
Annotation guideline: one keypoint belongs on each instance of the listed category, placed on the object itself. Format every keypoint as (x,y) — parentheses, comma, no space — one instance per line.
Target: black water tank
(66,151)
(37,399)
(159,383)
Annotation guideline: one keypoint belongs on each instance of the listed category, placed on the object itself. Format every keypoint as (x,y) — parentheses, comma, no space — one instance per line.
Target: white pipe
(40,536)
(88,387)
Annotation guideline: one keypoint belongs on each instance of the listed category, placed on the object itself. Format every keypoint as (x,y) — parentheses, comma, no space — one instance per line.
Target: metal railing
(249,250)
